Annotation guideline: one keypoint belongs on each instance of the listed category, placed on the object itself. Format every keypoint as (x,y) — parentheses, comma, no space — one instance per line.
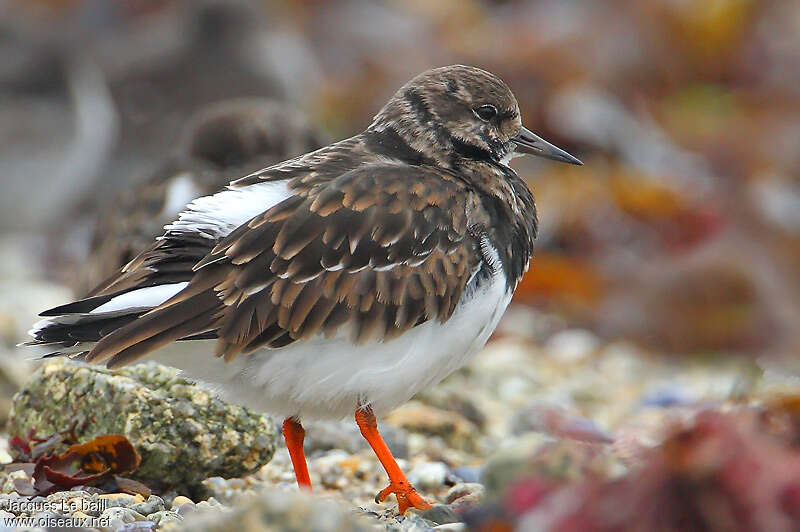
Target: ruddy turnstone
(228,138)
(343,280)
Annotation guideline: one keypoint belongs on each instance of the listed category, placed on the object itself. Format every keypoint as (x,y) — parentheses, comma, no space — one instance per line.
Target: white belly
(327,378)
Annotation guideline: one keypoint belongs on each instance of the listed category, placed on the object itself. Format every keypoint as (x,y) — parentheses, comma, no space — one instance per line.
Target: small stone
(465,497)
(414,522)
(15,479)
(91,490)
(468,474)
(440,514)
(121,499)
(209,504)
(428,475)
(138,526)
(152,505)
(180,500)
(186,509)
(163,517)
(464,490)
(119,516)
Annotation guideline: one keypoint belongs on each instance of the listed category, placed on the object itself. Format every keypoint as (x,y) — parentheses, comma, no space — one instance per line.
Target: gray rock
(121,501)
(163,517)
(152,505)
(440,514)
(467,489)
(119,516)
(462,498)
(183,433)
(186,509)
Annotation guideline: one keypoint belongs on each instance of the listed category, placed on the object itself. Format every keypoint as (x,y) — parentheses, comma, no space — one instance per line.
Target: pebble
(153,504)
(468,474)
(186,508)
(465,497)
(121,499)
(440,514)
(163,517)
(119,516)
(137,526)
(460,491)
(210,504)
(14,479)
(180,500)
(428,475)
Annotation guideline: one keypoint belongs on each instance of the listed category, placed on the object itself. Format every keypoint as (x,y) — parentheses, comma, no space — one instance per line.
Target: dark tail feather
(82,306)
(156,328)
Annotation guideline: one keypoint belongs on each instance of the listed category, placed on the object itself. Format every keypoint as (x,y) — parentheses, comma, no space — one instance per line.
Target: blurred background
(679,239)
(681,232)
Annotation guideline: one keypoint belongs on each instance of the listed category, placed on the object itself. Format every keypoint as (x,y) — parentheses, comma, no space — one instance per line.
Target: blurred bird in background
(223,140)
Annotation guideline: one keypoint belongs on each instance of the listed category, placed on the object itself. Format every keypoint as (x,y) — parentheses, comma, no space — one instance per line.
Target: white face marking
(508,156)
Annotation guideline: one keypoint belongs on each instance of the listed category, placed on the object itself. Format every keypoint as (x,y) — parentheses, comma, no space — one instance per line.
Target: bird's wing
(378,250)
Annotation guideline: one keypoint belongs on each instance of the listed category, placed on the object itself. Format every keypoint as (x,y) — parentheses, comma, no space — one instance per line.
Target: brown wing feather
(365,250)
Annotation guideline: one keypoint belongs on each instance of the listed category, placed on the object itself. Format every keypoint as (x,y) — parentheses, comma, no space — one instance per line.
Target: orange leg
(406,495)
(294,433)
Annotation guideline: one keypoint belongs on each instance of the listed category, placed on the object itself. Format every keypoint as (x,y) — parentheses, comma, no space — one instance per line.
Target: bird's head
(461,111)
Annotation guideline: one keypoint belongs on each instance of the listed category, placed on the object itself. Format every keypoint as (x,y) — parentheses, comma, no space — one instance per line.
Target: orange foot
(407,496)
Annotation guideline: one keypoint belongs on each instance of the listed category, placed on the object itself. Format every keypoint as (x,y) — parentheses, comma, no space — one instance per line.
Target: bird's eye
(486,112)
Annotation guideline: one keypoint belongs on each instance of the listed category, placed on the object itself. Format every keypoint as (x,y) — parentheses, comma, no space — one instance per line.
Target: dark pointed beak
(527,142)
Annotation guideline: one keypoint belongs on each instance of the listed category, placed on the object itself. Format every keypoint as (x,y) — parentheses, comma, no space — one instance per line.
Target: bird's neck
(512,211)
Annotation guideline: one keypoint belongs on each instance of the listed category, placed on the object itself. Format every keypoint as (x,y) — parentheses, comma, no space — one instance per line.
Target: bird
(228,137)
(340,282)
